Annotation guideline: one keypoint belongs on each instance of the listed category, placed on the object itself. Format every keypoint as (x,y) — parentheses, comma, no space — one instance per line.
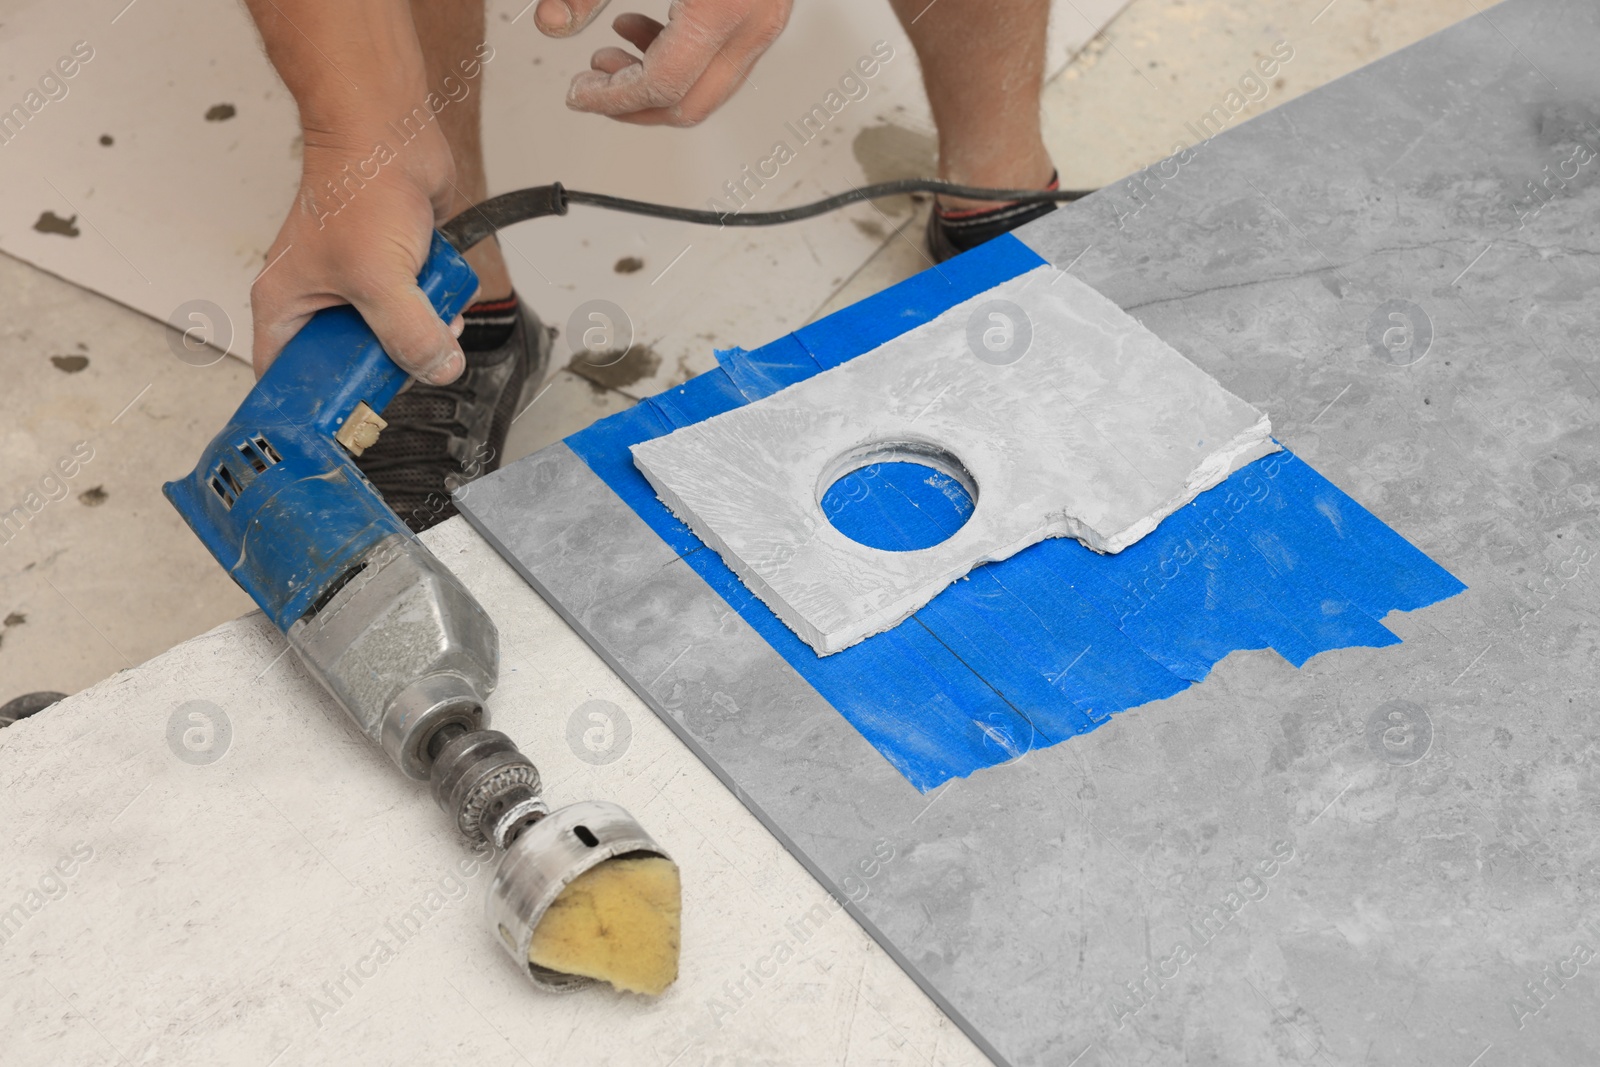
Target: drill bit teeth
(547,859)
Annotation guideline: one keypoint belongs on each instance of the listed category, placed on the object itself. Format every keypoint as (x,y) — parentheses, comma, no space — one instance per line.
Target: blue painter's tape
(922,298)
(769,368)
(1035,649)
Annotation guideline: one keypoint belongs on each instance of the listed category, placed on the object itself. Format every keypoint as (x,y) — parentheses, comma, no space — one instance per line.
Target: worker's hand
(689,68)
(364,247)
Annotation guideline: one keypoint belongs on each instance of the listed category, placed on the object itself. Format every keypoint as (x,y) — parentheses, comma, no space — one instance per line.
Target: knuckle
(659,86)
(373,283)
(665,93)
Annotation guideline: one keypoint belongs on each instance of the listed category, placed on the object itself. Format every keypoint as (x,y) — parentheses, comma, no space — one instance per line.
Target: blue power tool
(392,635)
(278,500)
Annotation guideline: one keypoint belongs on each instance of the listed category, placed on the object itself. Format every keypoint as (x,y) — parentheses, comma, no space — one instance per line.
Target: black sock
(969,228)
(489,324)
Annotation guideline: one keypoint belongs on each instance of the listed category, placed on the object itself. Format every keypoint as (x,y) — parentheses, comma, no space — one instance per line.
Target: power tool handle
(336,361)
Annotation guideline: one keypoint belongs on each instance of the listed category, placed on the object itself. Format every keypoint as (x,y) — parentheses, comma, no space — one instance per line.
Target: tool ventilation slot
(252,457)
(224,485)
(258,454)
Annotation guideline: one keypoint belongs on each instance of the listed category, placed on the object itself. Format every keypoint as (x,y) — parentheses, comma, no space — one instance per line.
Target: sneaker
(440,437)
(952,232)
(27,705)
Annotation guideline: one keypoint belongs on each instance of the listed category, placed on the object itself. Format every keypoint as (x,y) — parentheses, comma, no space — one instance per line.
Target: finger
(269,335)
(411,331)
(622,89)
(611,60)
(720,81)
(674,61)
(708,93)
(638,30)
(563,18)
(458,326)
(690,68)
(275,317)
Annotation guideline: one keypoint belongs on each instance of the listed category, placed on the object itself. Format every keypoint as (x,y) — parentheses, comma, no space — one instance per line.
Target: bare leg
(450,32)
(983,68)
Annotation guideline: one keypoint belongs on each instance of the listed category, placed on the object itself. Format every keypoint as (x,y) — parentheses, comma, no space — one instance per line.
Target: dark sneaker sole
(439,438)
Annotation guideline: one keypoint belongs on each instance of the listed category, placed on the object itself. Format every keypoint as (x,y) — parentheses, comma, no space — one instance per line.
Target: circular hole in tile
(898,496)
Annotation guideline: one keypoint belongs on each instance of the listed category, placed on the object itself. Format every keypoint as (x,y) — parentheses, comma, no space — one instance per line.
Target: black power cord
(498,212)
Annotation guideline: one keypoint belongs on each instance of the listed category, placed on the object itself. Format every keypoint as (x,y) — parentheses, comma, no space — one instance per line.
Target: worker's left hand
(689,67)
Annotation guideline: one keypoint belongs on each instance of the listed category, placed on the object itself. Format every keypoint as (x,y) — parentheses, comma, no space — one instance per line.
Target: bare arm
(376,175)
(378,172)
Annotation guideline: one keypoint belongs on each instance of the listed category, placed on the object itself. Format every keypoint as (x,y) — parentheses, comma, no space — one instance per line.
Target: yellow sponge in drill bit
(617,922)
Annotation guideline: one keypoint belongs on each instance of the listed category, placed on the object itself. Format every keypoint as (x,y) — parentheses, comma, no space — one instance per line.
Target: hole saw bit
(381,623)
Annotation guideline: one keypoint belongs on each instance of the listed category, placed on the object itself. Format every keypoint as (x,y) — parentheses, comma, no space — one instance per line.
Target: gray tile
(1109,898)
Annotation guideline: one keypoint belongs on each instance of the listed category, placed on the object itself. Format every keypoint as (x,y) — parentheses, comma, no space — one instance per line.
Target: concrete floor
(104,574)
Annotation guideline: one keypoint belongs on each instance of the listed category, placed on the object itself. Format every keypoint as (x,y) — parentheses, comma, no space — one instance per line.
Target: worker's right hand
(364,247)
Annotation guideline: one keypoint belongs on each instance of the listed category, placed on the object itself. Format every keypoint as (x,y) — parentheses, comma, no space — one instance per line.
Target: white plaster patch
(1098,431)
